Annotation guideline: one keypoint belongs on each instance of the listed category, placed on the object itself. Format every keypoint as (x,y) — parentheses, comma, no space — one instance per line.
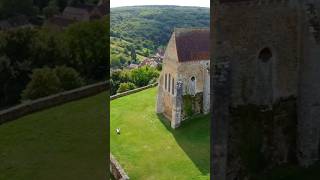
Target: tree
(7,76)
(143,76)
(10,8)
(126,87)
(133,55)
(51,10)
(44,82)
(88,46)
(76,2)
(41,3)
(69,78)
(48,48)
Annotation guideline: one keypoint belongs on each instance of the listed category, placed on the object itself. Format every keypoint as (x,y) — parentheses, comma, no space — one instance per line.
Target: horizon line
(157,5)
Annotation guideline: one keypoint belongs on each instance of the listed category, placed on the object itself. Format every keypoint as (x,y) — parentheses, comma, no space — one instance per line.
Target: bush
(142,76)
(47,81)
(126,87)
(69,78)
(44,82)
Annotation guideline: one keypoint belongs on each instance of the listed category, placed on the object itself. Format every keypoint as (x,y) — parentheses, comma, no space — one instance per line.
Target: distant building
(20,21)
(152,62)
(184,83)
(133,66)
(84,12)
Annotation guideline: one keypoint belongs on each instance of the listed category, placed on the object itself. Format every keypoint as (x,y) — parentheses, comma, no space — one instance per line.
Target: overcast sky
(119,3)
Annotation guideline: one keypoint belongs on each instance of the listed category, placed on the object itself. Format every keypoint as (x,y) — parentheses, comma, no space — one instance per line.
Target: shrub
(44,82)
(126,87)
(142,76)
(69,78)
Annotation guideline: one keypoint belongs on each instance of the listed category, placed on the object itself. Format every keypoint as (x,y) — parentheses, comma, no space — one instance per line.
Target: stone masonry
(184,83)
(265,85)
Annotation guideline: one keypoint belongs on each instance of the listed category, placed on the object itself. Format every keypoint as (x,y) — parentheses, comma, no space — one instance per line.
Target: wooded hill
(146,28)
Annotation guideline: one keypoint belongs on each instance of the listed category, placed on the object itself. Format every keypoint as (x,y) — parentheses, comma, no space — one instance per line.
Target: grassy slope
(64,142)
(148,149)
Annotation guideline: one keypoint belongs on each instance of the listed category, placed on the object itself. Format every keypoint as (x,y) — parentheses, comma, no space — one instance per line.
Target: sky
(119,3)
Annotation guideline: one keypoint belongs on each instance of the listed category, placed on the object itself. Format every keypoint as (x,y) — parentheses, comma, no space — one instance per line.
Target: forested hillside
(143,29)
(11,8)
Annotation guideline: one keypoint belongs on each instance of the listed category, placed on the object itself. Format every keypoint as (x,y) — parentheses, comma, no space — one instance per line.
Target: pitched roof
(192,44)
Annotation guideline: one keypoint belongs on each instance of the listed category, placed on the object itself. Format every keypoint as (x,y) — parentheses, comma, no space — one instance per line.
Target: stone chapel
(184,83)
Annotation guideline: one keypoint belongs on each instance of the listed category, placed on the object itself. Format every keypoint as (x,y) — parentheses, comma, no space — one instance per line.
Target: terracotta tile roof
(192,44)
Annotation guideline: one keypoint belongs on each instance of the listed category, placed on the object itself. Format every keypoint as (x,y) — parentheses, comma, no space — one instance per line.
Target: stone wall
(119,95)
(116,170)
(256,57)
(50,101)
(309,85)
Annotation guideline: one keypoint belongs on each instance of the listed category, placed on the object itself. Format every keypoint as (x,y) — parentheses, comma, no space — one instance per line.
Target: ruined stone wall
(246,31)
(256,59)
(309,86)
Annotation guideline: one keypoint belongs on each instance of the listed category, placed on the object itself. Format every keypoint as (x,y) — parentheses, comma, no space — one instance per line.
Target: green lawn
(67,142)
(148,148)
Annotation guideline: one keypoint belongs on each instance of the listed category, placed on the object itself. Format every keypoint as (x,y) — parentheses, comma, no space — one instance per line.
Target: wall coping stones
(119,95)
(116,170)
(28,107)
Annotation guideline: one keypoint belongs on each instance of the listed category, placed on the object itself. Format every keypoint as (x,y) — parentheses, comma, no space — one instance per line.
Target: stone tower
(266,95)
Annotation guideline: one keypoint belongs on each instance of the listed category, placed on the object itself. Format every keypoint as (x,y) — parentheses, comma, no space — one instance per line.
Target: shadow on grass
(193,136)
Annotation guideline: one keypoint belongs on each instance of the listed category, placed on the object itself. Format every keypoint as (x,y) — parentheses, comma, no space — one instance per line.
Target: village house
(20,21)
(154,62)
(184,83)
(83,12)
(86,12)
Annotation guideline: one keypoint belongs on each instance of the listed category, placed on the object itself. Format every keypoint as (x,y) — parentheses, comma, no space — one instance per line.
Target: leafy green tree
(76,2)
(51,10)
(48,48)
(44,82)
(7,76)
(10,8)
(115,62)
(126,87)
(133,55)
(88,46)
(69,78)
(143,76)
(41,3)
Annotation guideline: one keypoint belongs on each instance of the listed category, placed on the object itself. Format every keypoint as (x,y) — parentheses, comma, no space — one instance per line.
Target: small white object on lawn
(118,130)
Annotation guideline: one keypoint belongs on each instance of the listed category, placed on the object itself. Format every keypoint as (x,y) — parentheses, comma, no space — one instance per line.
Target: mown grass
(64,142)
(148,148)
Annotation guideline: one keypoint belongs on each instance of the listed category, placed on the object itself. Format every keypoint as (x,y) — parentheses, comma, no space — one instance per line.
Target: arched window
(172,86)
(192,85)
(264,77)
(169,82)
(265,55)
(165,81)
